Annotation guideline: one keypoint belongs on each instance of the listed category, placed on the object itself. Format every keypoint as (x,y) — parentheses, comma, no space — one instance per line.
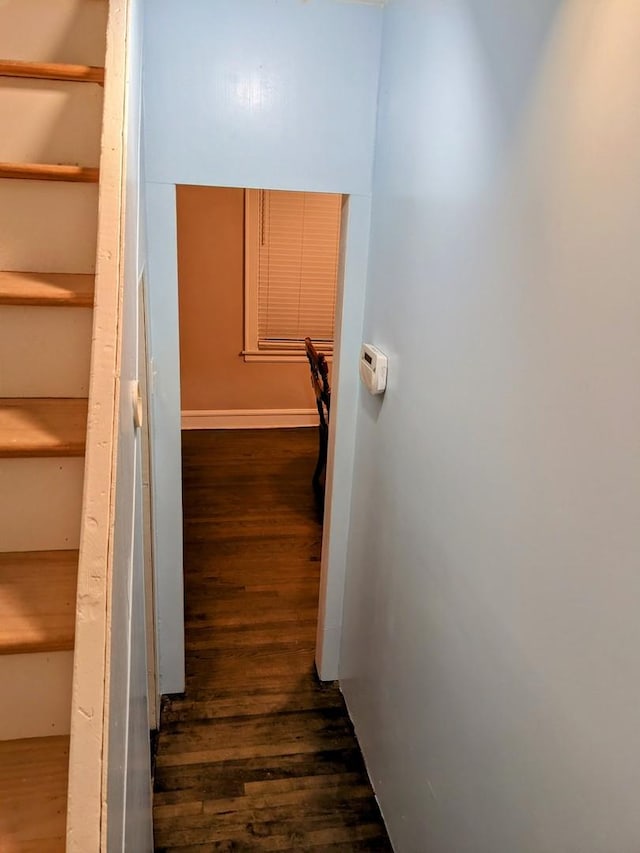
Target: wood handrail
(50,172)
(51,71)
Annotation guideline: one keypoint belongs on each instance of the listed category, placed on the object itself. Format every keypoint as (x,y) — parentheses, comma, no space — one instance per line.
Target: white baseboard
(249,418)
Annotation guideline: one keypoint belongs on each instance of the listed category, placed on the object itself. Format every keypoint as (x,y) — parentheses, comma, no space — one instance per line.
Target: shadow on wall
(510,37)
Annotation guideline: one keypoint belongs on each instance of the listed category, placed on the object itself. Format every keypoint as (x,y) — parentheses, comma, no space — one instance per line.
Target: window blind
(299,236)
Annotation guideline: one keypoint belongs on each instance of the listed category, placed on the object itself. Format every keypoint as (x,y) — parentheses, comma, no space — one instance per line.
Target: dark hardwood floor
(257,754)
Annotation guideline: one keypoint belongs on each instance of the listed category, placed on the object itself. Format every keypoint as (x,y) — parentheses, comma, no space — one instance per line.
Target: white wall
(491,643)
(129,816)
(250,93)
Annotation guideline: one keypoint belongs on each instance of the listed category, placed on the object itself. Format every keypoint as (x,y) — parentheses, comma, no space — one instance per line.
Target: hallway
(257,755)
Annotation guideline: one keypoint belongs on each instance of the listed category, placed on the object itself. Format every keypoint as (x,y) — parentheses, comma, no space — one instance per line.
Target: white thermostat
(373,369)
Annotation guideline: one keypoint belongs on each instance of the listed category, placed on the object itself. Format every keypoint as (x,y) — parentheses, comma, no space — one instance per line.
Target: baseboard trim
(249,418)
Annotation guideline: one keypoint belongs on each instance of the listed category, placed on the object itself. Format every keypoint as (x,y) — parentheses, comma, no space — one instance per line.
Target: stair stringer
(86,808)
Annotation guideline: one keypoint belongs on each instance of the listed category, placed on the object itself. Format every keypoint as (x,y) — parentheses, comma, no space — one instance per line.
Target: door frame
(153,691)
(164,371)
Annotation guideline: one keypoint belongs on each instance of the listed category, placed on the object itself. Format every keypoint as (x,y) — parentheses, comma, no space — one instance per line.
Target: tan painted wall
(213,374)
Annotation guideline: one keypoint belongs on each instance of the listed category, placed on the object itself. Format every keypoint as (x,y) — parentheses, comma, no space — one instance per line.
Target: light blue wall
(262,93)
(129,818)
(165,447)
(491,643)
(251,93)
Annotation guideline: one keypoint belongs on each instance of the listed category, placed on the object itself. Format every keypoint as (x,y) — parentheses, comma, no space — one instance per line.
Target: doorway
(256,748)
(165,415)
(258,273)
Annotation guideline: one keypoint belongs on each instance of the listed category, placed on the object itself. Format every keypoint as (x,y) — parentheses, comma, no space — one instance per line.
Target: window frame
(281,351)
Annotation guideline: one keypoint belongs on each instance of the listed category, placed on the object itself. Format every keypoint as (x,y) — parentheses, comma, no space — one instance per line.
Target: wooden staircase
(52,71)
(51,76)
(48,172)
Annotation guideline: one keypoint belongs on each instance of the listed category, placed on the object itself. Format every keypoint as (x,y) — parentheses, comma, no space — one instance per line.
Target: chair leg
(321,465)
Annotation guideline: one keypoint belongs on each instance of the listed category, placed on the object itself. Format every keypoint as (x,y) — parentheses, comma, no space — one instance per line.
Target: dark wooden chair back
(322,390)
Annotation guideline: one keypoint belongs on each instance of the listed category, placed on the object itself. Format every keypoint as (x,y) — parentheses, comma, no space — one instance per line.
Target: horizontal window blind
(299,235)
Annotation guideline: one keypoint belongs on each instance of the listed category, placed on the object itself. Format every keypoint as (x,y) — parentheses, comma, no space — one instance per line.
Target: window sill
(278,356)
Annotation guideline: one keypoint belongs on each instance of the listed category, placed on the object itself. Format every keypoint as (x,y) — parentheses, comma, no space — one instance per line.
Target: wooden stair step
(53,289)
(42,427)
(51,71)
(37,601)
(33,794)
(50,172)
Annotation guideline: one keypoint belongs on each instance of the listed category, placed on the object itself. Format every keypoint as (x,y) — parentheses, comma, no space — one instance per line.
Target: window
(292,241)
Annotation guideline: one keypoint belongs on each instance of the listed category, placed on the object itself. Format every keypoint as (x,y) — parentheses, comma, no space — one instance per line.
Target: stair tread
(51,71)
(33,793)
(37,601)
(42,427)
(50,172)
(55,289)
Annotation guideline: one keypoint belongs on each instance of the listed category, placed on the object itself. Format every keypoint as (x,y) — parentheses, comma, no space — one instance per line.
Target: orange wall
(214,376)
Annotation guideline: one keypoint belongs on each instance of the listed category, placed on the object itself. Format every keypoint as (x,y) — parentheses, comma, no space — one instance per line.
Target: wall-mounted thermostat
(373,369)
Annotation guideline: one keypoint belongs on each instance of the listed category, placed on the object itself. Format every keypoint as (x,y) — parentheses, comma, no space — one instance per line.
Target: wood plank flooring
(257,754)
